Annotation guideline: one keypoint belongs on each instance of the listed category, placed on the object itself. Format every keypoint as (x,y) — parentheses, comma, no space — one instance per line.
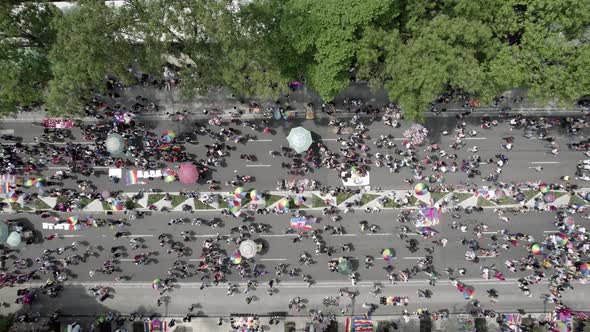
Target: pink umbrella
(188,173)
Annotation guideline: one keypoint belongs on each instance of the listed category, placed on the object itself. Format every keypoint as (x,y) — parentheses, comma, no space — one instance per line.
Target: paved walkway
(309,200)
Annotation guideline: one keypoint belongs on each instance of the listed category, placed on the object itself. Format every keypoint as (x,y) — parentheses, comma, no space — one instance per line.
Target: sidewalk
(171,102)
(461,322)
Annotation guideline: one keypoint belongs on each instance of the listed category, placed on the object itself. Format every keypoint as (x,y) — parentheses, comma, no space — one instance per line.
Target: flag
(359,324)
(132,177)
(4,188)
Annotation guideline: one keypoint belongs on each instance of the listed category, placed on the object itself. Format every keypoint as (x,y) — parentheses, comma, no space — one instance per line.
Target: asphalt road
(280,247)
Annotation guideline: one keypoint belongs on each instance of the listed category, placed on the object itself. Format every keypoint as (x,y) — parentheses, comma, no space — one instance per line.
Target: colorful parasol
(28,183)
(543,188)
(188,173)
(40,182)
(299,139)
(298,200)
(12,197)
(117,205)
(169,176)
(387,254)
(420,189)
(561,239)
(283,204)
(301,223)
(168,136)
(569,221)
(157,283)
(537,249)
(73,220)
(549,197)
(240,192)
(585,269)
(468,293)
(236,258)
(255,195)
(500,193)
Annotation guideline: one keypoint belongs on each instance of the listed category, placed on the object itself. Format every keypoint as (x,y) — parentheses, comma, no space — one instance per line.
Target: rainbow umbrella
(73,220)
(387,254)
(240,192)
(468,293)
(169,175)
(28,183)
(549,197)
(585,269)
(420,189)
(12,197)
(561,238)
(537,249)
(298,200)
(234,206)
(236,258)
(117,205)
(168,136)
(283,204)
(164,147)
(255,195)
(390,300)
(543,188)
(157,283)
(39,182)
(569,221)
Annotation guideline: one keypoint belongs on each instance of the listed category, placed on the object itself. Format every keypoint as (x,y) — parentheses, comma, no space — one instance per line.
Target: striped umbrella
(236,258)
(255,195)
(168,136)
(12,197)
(240,192)
(169,175)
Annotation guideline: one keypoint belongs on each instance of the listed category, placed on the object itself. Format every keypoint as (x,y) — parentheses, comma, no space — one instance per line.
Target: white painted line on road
(273,259)
(550,232)
(413,257)
(378,234)
(544,162)
(483,163)
(126,259)
(474,138)
(6,131)
(144,235)
(71,235)
(262,140)
(489,232)
(345,235)
(400,139)
(205,235)
(56,143)
(277,235)
(329,139)
(258,165)
(196,260)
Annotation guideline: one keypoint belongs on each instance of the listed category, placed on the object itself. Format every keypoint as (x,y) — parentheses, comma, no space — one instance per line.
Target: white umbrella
(248,249)
(14,239)
(299,139)
(115,144)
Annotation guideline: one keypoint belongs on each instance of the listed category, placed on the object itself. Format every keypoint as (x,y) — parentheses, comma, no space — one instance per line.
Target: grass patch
(481,325)
(366,198)
(412,201)
(390,203)
(131,205)
(201,206)
(271,199)
(106,206)
(318,202)
(17,207)
(505,200)
(41,205)
(529,194)
(6,322)
(62,200)
(577,200)
(341,197)
(558,193)
(153,198)
(176,200)
(84,201)
(437,196)
(482,202)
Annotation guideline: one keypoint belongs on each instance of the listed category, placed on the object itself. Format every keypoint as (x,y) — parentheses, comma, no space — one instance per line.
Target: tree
(26,36)
(91,44)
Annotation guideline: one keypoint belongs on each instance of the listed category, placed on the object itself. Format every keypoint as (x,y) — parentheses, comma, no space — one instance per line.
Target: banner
(58,123)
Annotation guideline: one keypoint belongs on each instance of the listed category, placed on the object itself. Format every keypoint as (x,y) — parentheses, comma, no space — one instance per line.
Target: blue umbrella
(299,139)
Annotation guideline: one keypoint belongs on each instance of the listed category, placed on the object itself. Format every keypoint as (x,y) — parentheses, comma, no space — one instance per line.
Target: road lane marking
(544,162)
(71,235)
(144,235)
(277,235)
(6,131)
(262,140)
(474,138)
(550,232)
(413,257)
(273,259)
(329,139)
(345,235)
(207,235)
(258,165)
(379,234)
(489,232)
